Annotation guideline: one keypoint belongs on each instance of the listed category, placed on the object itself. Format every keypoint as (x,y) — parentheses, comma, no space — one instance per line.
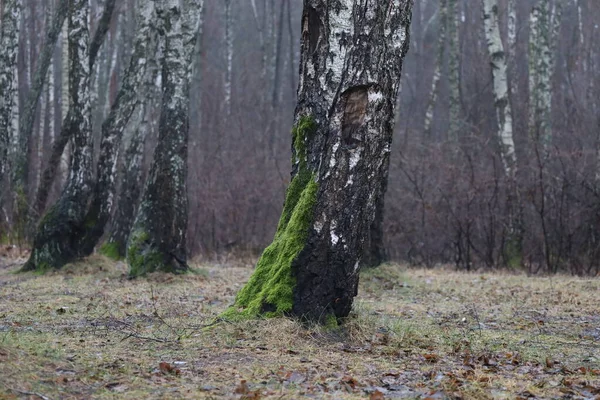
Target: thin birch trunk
(500,77)
(437,73)
(545,23)
(9,43)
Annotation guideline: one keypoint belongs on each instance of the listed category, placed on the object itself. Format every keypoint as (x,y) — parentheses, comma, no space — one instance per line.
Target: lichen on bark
(270,290)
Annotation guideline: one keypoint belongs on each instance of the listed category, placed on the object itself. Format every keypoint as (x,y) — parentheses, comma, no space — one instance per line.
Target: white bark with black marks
(351,61)
(9,43)
(112,130)
(500,78)
(158,237)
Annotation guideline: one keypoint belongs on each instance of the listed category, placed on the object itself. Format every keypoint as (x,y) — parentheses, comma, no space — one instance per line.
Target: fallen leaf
(376,395)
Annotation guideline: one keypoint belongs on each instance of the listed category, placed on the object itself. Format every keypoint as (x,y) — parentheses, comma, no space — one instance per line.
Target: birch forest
(280,199)
(494,163)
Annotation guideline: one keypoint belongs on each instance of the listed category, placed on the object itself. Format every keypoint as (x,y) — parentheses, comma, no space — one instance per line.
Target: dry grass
(89,332)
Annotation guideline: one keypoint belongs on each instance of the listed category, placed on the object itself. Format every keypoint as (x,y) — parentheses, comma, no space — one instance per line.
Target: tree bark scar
(355,101)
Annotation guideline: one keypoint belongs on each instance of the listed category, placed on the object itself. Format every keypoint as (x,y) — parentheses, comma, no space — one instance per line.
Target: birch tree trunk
(112,131)
(439,62)
(158,238)
(67,128)
(9,43)
(351,62)
(544,29)
(131,185)
(500,89)
(54,242)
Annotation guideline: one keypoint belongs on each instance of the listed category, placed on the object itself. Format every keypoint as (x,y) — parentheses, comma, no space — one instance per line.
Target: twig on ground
(41,396)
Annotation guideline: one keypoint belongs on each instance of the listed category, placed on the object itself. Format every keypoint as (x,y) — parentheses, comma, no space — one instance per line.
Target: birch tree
(112,131)
(158,238)
(544,22)
(439,63)
(68,127)
(9,42)
(53,243)
(351,62)
(131,176)
(500,78)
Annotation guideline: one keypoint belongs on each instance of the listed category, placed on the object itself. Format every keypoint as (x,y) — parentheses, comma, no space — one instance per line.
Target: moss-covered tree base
(144,256)
(270,290)
(113,250)
(56,238)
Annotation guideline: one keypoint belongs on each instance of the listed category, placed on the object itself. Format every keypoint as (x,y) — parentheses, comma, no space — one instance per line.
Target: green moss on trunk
(112,251)
(269,291)
(142,256)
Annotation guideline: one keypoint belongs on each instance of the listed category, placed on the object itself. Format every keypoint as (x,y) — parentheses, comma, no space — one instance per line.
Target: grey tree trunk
(454,70)
(131,185)
(439,62)
(112,131)
(67,128)
(158,238)
(57,233)
(545,22)
(351,62)
(229,55)
(27,118)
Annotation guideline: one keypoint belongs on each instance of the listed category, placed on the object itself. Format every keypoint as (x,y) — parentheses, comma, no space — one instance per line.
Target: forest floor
(89,332)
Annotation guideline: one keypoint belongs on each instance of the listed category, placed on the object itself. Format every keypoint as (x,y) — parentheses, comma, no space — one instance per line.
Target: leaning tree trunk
(27,118)
(157,239)
(68,128)
(57,233)
(351,62)
(131,185)
(112,131)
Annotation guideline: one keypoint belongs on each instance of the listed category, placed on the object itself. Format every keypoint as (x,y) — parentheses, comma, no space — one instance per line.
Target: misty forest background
(448,199)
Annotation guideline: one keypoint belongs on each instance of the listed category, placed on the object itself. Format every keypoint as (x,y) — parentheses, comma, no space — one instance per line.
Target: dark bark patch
(311,27)
(355,102)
